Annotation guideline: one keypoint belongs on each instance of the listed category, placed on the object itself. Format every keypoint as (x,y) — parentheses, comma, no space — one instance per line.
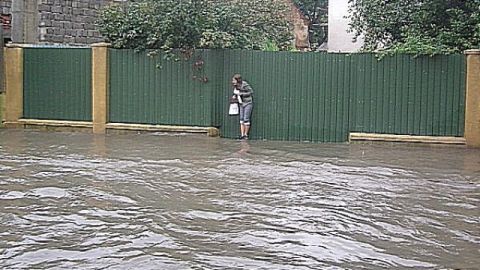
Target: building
(339,39)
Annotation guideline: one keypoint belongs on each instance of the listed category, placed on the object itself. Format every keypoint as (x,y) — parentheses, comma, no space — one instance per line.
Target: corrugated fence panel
(57,84)
(297,96)
(152,90)
(405,95)
(322,97)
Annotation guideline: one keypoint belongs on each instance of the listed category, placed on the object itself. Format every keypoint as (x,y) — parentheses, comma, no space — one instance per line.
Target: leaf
(190,24)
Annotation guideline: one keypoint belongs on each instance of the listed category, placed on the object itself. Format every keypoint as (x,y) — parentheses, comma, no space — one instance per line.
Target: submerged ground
(159,201)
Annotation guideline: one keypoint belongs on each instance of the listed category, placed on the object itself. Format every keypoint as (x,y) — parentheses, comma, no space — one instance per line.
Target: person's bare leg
(246,129)
(242,130)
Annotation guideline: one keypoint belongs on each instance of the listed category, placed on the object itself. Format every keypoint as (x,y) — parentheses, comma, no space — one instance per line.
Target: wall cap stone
(357,136)
(17,45)
(45,45)
(472,52)
(101,44)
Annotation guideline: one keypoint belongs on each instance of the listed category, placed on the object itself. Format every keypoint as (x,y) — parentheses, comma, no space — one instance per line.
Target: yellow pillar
(13,85)
(2,108)
(472,107)
(99,87)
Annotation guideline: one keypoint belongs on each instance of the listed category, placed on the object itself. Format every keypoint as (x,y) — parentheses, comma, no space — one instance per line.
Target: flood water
(159,201)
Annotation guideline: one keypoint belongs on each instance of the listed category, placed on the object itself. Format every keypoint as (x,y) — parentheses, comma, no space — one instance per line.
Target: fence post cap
(472,52)
(17,45)
(101,44)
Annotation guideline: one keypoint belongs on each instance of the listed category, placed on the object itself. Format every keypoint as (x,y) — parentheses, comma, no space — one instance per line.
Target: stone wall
(58,21)
(5,11)
(5,6)
(69,21)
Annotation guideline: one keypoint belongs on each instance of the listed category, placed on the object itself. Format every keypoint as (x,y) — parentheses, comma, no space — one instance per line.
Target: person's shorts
(246,113)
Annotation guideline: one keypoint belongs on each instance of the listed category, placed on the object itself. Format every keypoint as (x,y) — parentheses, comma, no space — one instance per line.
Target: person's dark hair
(238,78)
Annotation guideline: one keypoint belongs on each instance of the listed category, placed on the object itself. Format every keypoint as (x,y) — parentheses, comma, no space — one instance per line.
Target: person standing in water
(244,93)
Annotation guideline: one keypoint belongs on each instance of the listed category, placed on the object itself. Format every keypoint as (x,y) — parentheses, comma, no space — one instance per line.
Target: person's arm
(246,90)
(237,95)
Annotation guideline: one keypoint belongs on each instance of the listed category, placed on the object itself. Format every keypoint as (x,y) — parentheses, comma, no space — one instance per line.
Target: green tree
(417,26)
(316,12)
(191,24)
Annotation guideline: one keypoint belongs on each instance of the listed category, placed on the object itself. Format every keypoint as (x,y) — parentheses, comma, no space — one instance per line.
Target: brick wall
(65,21)
(69,21)
(5,19)
(5,6)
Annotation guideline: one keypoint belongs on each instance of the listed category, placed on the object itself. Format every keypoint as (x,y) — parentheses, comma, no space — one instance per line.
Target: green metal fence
(323,97)
(57,84)
(298,96)
(406,95)
(151,90)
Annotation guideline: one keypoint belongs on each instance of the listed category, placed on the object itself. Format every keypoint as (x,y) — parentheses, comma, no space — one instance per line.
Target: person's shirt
(246,93)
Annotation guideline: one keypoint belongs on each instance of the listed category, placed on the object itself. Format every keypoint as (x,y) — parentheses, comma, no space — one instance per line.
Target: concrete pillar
(100,87)
(25,20)
(2,85)
(2,74)
(13,85)
(472,106)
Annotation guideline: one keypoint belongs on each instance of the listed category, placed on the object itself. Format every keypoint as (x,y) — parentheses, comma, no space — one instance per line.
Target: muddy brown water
(164,201)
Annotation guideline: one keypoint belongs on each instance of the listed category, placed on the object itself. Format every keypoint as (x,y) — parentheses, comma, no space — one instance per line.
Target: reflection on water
(159,201)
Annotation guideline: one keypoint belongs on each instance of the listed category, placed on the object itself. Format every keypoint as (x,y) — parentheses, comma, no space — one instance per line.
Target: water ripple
(189,202)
